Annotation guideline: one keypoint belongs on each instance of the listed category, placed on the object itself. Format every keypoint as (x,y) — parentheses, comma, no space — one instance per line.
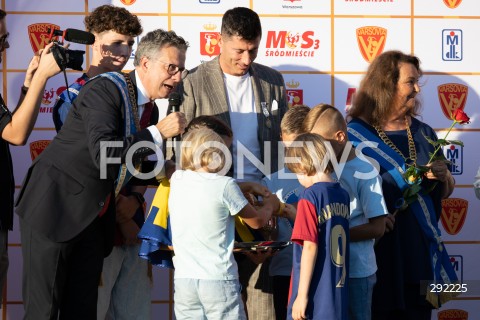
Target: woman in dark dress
(411,255)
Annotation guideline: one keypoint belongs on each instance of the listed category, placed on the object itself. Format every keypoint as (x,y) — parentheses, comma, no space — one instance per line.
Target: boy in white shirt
(203,228)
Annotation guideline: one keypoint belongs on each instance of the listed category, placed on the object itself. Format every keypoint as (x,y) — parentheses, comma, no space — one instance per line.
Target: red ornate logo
(454,212)
(38,34)
(452,4)
(371,41)
(294,95)
(209,41)
(48,96)
(37,147)
(452,96)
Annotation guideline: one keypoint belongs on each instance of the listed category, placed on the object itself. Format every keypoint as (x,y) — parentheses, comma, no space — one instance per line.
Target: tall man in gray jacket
(251,99)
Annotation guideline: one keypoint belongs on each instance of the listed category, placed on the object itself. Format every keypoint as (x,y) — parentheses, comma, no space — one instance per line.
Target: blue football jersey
(322,217)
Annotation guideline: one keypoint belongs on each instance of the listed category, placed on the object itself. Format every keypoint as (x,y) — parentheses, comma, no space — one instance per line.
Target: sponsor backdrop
(323,48)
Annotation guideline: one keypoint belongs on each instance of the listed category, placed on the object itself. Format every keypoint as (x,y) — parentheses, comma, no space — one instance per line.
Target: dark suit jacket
(64,189)
(204,94)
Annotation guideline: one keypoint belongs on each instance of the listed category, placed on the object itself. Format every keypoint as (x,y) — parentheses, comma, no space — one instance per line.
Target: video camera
(67,58)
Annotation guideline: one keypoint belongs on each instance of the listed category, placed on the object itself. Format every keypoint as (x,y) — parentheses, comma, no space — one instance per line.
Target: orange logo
(209,41)
(452,4)
(128,2)
(452,96)
(37,147)
(294,95)
(38,34)
(371,41)
(454,212)
(453,314)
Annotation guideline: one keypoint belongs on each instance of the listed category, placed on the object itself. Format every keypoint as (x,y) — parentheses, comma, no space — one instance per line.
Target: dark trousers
(281,288)
(62,278)
(415,307)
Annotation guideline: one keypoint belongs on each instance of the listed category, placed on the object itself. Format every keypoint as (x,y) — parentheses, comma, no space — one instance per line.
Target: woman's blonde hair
(313,153)
(203,148)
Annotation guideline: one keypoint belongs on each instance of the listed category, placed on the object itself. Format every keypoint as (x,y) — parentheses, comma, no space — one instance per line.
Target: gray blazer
(204,94)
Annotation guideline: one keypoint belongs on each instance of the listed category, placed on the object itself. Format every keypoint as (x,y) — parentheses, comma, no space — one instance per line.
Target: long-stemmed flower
(414,173)
(458,116)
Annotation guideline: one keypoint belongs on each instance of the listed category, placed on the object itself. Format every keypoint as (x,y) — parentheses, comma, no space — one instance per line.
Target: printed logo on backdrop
(371,41)
(294,95)
(292,4)
(453,314)
(38,34)
(291,44)
(452,96)
(209,1)
(37,147)
(49,96)
(452,45)
(452,4)
(454,154)
(350,96)
(454,212)
(457,265)
(209,40)
(128,2)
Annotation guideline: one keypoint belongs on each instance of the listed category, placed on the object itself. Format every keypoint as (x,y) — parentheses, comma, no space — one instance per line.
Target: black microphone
(174,100)
(75,35)
(79,36)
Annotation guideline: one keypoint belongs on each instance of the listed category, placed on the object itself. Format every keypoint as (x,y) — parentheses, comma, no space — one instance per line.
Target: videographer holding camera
(125,287)
(15,129)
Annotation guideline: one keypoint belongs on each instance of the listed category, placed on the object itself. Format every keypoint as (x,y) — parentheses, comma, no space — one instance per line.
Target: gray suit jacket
(204,94)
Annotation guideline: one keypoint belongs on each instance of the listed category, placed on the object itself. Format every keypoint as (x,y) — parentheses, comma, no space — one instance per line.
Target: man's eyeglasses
(173,69)
(4,38)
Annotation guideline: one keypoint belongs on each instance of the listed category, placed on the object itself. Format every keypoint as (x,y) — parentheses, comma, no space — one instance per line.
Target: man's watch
(139,196)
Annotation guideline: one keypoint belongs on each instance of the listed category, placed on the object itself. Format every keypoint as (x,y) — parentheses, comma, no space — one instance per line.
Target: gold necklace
(133,100)
(411,144)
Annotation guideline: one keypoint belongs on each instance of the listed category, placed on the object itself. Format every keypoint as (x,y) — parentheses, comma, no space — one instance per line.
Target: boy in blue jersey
(367,206)
(319,285)
(288,191)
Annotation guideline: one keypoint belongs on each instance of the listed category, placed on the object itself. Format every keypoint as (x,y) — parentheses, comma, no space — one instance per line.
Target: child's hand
(254,188)
(298,308)
(287,211)
(290,211)
(389,222)
(250,198)
(273,201)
